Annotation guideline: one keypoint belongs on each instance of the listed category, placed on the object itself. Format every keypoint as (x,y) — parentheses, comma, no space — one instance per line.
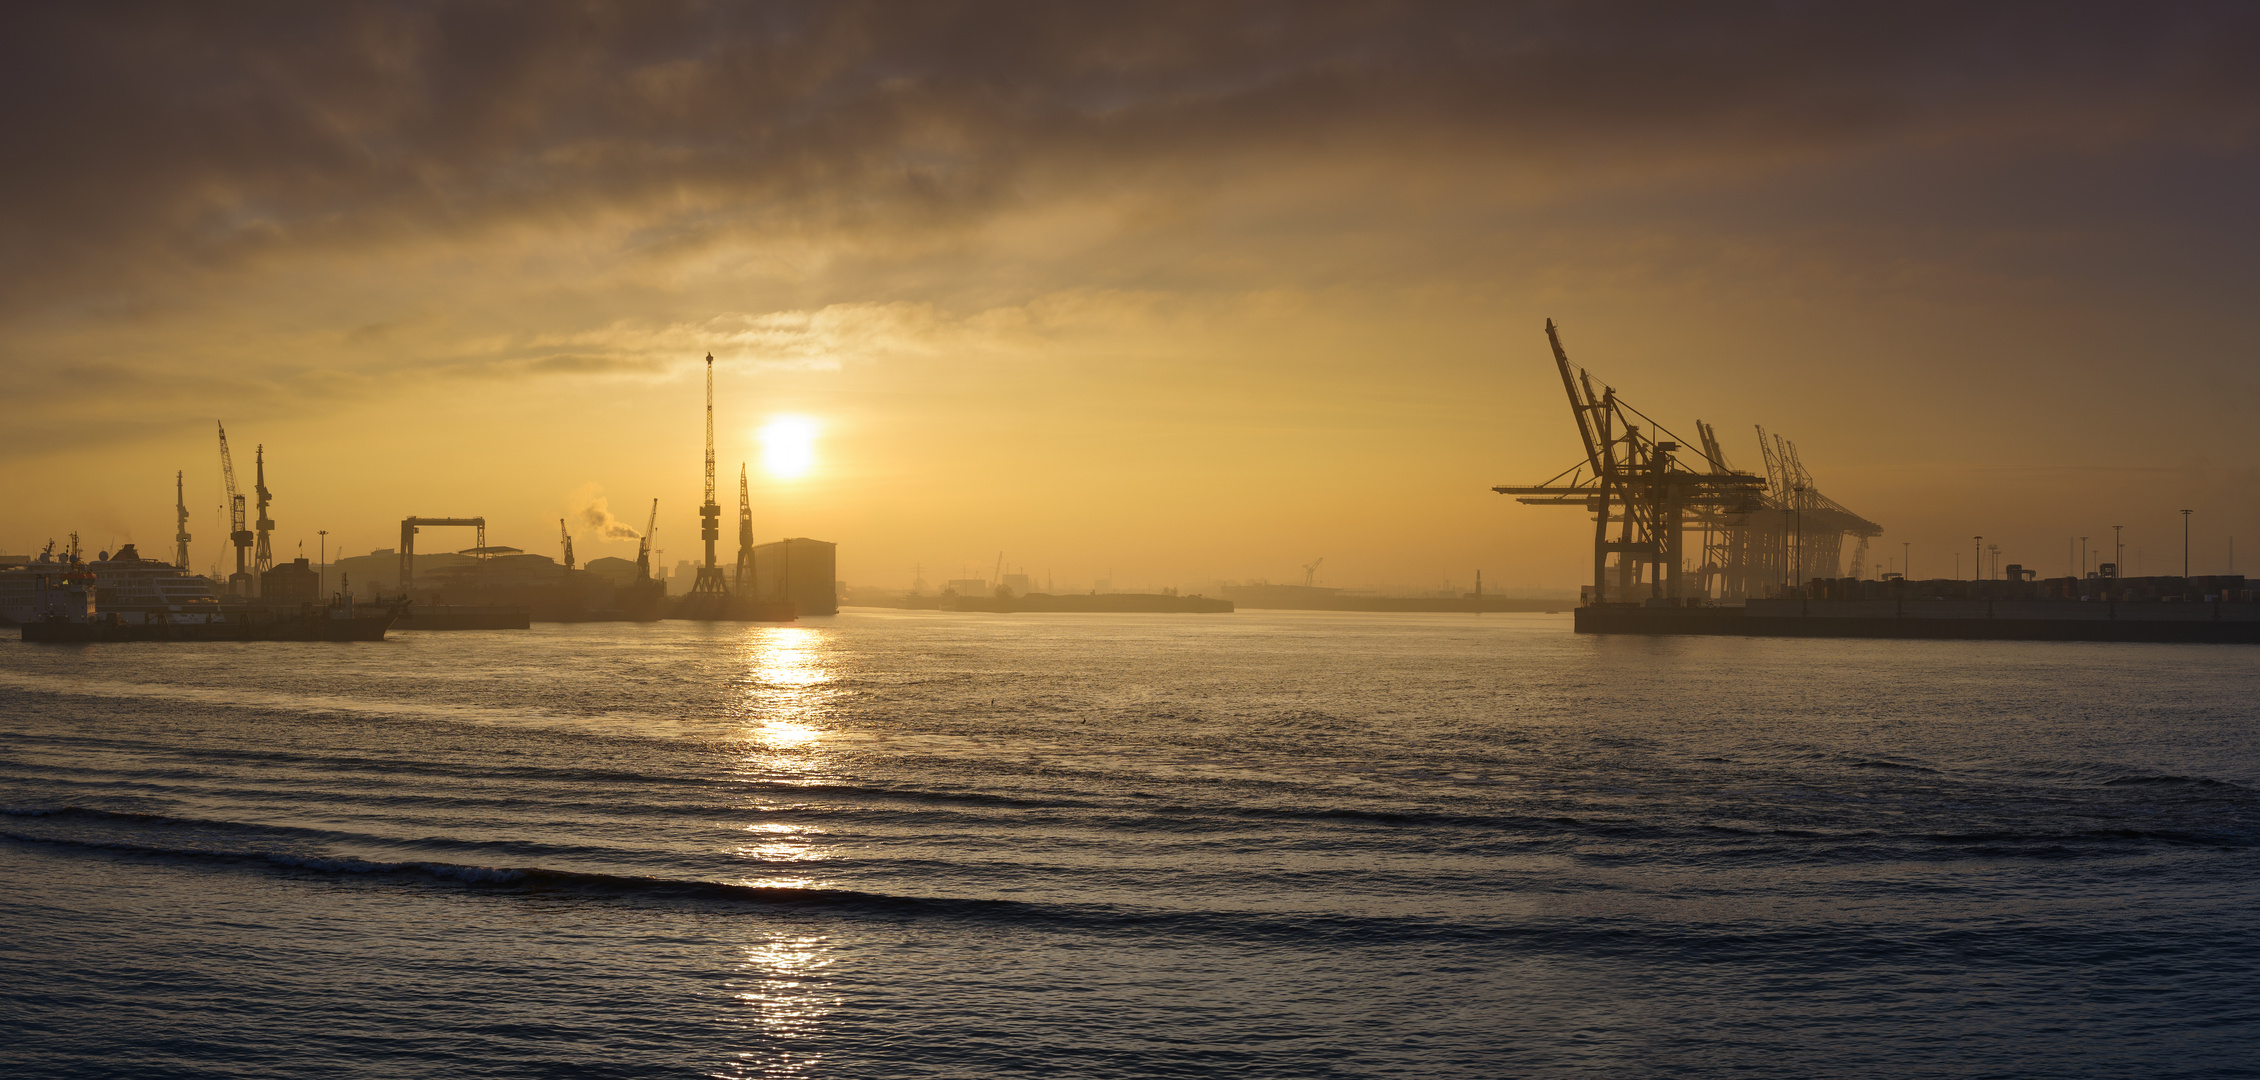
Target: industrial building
(798,570)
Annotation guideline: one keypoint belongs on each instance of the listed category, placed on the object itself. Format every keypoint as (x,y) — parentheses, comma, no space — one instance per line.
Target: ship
(122,583)
(340,619)
(46,586)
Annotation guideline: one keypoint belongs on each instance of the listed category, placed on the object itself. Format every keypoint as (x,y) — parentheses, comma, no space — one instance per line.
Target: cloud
(154,142)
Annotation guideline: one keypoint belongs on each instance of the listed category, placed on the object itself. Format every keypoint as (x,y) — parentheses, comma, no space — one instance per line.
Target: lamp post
(1977,557)
(2185,543)
(322,569)
(2118,552)
(1907,561)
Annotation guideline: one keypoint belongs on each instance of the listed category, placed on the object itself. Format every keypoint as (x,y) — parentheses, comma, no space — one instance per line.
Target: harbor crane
(709,582)
(262,559)
(1758,532)
(240,583)
(744,581)
(643,547)
(566,538)
(1310,571)
(180,522)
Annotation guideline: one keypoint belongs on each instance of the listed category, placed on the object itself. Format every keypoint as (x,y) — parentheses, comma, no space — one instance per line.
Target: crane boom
(567,538)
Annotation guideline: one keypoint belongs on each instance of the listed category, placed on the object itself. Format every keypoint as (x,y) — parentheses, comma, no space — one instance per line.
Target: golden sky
(1170,292)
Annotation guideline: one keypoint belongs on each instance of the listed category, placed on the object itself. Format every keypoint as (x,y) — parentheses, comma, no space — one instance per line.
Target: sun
(788,446)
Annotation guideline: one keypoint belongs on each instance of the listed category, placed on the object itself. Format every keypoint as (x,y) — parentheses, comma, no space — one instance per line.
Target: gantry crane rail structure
(410,526)
(1754,528)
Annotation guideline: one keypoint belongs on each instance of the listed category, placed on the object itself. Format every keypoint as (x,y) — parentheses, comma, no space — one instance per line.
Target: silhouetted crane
(241,583)
(744,582)
(180,523)
(567,539)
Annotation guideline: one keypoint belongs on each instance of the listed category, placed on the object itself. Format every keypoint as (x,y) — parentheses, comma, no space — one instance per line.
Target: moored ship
(338,620)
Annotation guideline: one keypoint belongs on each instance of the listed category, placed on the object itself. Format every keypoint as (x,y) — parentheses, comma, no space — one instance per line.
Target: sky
(1157,294)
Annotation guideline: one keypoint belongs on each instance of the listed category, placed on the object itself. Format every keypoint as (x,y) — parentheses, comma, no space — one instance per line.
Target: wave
(2165,779)
(1301,929)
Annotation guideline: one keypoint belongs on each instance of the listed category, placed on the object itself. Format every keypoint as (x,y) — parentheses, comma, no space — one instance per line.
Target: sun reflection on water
(781,986)
(786,688)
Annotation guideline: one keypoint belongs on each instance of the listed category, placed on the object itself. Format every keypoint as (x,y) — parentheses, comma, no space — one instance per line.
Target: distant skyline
(1172,293)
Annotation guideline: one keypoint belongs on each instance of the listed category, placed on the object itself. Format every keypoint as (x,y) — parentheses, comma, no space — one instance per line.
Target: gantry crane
(1759,533)
(567,539)
(1636,482)
(240,583)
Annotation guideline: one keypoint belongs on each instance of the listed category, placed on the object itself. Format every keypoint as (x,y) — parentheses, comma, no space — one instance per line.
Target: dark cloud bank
(155,139)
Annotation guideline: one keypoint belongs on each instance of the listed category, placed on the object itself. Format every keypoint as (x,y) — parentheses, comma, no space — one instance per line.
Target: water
(929,845)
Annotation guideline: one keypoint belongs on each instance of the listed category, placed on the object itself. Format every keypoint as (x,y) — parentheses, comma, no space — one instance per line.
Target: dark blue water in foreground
(926,845)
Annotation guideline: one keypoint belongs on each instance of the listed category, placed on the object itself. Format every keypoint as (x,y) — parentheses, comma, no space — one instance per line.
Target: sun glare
(788,447)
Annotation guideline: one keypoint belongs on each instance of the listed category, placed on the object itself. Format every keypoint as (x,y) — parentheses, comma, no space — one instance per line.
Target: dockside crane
(709,581)
(180,522)
(745,535)
(643,547)
(263,558)
(567,538)
(1634,481)
(1310,571)
(240,583)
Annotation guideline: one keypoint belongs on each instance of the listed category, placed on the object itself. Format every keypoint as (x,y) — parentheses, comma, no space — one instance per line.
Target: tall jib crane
(240,583)
(180,522)
(744,581)
(263,559)
(566,538)
(710,581)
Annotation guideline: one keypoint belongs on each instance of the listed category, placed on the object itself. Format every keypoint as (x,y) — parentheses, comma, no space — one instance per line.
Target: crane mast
(180,523)
(241,582)
(263,558)
(709,580)
(567,539)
